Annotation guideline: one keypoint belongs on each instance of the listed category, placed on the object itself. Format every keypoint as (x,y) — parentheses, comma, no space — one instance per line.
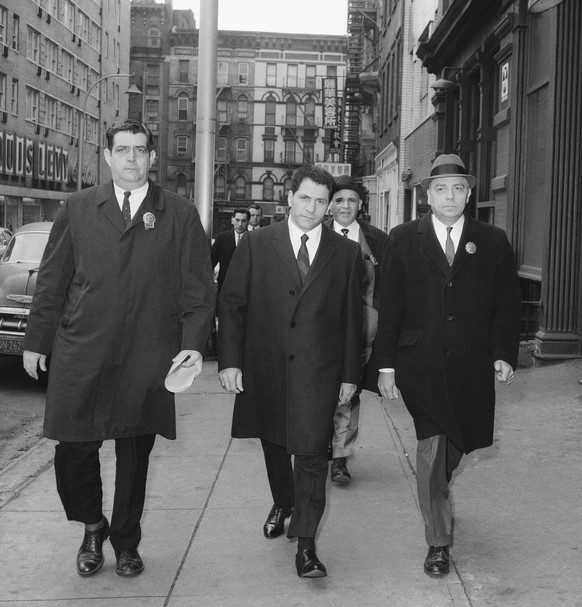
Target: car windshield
(27,247)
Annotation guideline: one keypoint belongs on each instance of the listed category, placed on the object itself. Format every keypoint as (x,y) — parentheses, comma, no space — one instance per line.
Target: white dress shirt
(295,233)
(353,230)
(135,199)
(441,231)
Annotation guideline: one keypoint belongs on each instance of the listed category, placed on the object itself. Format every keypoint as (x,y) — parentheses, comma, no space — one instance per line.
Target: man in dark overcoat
(347,198)
(449,322)
(289,339)
(124,287)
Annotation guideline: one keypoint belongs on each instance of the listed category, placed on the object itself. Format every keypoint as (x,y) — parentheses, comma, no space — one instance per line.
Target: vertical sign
(329,103)
(504,93)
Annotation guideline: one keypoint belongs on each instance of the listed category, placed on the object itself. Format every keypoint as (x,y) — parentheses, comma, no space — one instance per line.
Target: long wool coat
(113,306)
(441,328)
(295,345)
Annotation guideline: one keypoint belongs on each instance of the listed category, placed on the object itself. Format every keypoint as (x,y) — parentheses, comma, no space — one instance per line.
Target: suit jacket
(221,252)
(294,344)
(113,305)
(441,327)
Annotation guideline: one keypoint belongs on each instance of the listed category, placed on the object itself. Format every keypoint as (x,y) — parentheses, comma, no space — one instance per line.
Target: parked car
(18,271)
(5,236)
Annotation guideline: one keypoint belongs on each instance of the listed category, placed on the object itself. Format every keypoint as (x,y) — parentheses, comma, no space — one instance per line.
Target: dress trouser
(78,473)
(436,459)
(300,485)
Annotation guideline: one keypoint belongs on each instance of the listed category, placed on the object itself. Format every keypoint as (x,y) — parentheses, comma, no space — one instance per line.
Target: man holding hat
(347,197)
(448,323)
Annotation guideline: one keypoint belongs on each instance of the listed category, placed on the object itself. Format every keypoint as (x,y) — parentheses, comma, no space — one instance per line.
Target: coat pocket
(408,339)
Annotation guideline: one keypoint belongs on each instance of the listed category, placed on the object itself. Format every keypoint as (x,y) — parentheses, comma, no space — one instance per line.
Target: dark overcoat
(113,306)
(295,345)
(441,328)
(221,252)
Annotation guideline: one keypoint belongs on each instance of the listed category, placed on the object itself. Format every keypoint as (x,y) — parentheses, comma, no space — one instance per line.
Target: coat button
(291,292)
(291,357)
(450,284)
(450,317)
(292,324)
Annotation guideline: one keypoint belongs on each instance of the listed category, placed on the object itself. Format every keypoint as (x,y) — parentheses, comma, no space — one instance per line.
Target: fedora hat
(346,182)
(448,165)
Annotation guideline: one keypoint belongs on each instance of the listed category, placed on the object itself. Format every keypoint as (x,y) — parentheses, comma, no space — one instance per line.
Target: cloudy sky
(289,16)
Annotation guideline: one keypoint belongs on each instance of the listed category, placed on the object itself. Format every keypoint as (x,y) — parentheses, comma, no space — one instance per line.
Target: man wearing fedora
(347,197)
(448,323)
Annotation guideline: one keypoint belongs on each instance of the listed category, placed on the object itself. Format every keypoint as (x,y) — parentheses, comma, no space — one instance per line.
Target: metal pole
(206,112)
(82,126)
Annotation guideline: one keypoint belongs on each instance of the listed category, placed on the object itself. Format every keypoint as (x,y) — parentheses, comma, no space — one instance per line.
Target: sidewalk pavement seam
(197,526)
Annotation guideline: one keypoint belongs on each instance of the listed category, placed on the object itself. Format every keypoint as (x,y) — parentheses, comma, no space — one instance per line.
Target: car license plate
(11,346)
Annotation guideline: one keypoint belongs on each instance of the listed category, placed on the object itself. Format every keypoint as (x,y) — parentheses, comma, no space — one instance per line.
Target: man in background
(226,242)
(256,214)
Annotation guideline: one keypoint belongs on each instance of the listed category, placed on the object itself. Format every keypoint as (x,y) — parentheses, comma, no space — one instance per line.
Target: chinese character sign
(329,103)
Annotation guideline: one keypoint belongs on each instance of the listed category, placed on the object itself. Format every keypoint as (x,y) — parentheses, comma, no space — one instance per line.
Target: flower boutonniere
(371,258)
(471,248)
(149,219)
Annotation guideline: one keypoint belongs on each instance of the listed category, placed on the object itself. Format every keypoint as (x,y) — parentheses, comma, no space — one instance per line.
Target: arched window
(182,106)
(287,187)
(268,188)
(270,110)
(291,112)
(243,108)
(181,184)
(240,187)
(310,112)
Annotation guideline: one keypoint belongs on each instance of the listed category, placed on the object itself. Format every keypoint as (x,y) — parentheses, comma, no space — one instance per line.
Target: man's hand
(32,361)
(193,358)
(346,393)
(504,372)
(387,385)
(231,380)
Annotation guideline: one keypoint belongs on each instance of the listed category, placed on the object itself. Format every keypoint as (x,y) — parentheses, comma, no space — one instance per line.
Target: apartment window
(3,25)
(286,187)
(52,52)
(181,146)
(222,111)
(240,187)
(67,119)
(332,71)
(291,112)
(270,110)
(152,110)
(33,46)
(181,184)
(14,97)
(241,149)
(309,112)
(183,69)
(220,185)
(222,73)
(50,116)
(154,38)
(153,73)
(290,148)
(310,76)
(271,74)
(243,108)
(183,106)
(69,66)
(3,81)
(243,74)
(268,188)
(269,150)
(221,149)
(16,32)
(32,101)
(308,149)
(292,75)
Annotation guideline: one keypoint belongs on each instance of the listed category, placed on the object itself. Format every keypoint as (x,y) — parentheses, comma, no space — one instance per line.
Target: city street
(518,506)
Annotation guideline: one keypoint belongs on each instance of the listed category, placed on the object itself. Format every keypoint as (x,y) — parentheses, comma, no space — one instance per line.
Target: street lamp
(133,89)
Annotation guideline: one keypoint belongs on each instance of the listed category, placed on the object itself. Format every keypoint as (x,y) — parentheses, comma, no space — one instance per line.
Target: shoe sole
(91,573)
(342,480)
(129,573)
(436,573)
(313,574)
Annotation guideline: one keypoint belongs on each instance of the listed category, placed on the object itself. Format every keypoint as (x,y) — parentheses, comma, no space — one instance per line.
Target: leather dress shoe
(129,562)
(90,556)
(275,524)
(436,563)
(339,471)
(308,565)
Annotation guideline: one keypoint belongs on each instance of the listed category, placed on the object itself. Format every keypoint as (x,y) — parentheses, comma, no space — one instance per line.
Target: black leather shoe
(308,565)
(436,563)
(129,562)
(90,556)
(275,524)
(339,471)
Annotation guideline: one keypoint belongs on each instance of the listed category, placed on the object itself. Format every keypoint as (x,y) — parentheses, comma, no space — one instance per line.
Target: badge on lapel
(149,219)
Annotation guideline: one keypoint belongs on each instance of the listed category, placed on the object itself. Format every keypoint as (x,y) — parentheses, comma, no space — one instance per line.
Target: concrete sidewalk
(518,512)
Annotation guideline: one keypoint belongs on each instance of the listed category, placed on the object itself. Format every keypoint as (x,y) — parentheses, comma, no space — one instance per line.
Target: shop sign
(329,103)
(336,168)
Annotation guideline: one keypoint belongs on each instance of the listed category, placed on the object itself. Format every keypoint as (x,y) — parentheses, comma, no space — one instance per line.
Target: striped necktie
(449,247)
(303,258)
(126,209)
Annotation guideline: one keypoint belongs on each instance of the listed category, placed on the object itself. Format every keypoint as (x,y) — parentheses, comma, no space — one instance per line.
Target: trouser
(78,474)
(300,485)
(436,459)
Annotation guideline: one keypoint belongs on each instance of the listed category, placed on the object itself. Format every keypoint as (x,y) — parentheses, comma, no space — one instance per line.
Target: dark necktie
(345,232)
(449,247)
(126,209)
(303,258)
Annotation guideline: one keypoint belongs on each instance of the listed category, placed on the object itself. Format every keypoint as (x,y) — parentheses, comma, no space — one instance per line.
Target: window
(3,81)
(181,184)
(240,187)
(183,106)
(220,185)
(69,66)
(181,146)
(221,111)
(243,108)
(33,46)
(152,110)
(292,75)
(154,40)
(308,155)
(332,71)
(221,149)
(3,25)
(243,73)
(183,69)
(286,187)
(222,73)
(14,97)
(291,112)
(153,74)
(270,110)
(271,74)
(290,151)
(310,76)
(32,101)
(16,32)
(241,149)
(268,188)
(269,150)
(309,112)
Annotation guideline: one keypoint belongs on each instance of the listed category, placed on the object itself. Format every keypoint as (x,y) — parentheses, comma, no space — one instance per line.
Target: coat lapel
(429,242)
(469,235)
(282,244)
(325,252)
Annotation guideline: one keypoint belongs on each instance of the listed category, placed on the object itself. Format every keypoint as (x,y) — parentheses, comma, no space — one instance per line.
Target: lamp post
(132,89)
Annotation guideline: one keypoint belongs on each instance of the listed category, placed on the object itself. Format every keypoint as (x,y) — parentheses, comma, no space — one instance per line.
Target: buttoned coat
(442,327)
(221,252)
(294,344)
(113,306)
